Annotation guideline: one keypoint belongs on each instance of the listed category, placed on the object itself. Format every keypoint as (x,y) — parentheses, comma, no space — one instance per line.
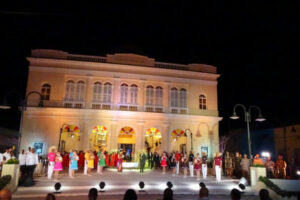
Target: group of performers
(88,160)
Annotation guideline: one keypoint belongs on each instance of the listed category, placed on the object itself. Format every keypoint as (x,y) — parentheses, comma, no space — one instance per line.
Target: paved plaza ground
(118,183)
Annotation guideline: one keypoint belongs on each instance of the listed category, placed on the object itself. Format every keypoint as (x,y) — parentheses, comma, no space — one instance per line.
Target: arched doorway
(153,140)
(178,140)
(98,138)
(70,138)
(126,142)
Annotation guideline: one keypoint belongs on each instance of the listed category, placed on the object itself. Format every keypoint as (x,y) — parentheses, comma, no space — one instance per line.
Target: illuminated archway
(153,139)
(98,138)
(70,137)
(178,140)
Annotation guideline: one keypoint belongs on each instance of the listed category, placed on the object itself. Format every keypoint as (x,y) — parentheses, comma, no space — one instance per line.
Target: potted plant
(12,168)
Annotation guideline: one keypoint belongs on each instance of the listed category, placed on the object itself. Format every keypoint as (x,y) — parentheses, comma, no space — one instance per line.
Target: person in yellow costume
(89,157)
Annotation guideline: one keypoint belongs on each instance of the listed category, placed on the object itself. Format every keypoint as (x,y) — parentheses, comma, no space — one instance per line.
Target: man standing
(191,163)
(270,167)
(280,167)
(177,157)
(218,165)
(7,154)
(237,165)
(156,160)
(31,162)
(150,160)
(204,165)
(22,161)
(245,166)
(142,161)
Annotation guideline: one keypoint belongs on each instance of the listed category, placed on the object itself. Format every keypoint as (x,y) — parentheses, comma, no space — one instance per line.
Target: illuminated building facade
(120,101)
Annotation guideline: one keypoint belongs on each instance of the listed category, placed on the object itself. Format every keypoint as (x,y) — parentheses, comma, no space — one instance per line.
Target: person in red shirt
(106,158)
(177,157)
(218,165)
(95,159)
(81,160)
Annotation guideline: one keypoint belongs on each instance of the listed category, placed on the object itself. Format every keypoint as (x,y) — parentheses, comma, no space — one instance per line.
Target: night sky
(255,46)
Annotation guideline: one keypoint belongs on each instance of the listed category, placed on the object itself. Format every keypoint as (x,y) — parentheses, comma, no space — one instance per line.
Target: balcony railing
(178,110)
(101,106)
(121,106)
(153,108)
(128,106)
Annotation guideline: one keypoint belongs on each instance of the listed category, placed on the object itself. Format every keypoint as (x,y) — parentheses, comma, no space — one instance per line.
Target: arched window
(158,96)
(45,91)
(97,92)
(70,91)
(183,95)
(107,93)
(133,94)
(174,97)
(80,88)
(202,102)
(124,93)
(149,95)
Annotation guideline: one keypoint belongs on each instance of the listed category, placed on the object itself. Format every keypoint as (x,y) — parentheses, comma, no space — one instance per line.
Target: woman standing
(74,163)
(173,164)
(101,162)
(119,161)
(184,165)
(90,162)
(57,165)
(197,165)
(163,162)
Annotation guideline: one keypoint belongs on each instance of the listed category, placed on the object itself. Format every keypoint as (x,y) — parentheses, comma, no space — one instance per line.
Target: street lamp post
(247,113)
(191,137)
(23,108)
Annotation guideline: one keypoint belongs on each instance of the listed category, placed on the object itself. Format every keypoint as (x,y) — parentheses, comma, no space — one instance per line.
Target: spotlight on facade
(169,184)
(142,186)
(298,172)
(102,186)
(57,187)
(243,183)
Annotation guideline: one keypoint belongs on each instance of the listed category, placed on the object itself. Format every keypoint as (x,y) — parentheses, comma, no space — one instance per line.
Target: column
(166,138)
(113,135)
(142,96)
(84,135)
(140,137)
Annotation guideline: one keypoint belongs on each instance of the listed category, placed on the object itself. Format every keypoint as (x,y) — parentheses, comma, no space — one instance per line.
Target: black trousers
(142,166)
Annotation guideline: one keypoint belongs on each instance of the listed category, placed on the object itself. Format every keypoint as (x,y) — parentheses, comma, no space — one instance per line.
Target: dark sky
(254,45)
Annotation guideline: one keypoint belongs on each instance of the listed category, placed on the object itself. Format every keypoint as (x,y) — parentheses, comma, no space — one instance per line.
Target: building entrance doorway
(126,143)
(127,150)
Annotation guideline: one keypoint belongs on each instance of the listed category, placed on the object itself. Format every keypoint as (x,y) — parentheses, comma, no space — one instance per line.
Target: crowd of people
(239,166)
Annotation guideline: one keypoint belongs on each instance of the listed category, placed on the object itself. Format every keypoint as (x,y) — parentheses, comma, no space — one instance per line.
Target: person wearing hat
(51,161)
(218,165)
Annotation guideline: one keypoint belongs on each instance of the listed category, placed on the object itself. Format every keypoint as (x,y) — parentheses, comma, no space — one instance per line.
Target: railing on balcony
(125,107)
(178,110)
(74,104)
(101,106)
(153,108)
(128,106)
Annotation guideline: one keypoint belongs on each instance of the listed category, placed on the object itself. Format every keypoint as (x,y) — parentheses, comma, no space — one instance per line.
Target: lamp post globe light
(247,114)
